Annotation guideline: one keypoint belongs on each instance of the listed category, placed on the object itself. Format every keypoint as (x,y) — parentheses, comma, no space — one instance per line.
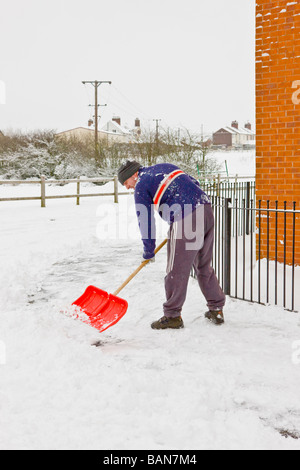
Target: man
(181,202)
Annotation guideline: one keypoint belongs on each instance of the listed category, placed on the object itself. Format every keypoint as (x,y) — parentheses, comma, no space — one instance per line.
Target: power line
(130,102)
(157,129)
(123,109)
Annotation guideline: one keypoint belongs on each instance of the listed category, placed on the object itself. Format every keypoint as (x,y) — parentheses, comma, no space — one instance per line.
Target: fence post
(248,189)
(116,191)
(235,185)
(227,247)
(43,191)
(78,191)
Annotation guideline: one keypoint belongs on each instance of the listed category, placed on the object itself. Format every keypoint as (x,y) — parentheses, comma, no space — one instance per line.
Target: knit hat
(127,170)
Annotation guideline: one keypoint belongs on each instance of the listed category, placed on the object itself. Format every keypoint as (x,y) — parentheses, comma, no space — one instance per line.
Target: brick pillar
(278,115)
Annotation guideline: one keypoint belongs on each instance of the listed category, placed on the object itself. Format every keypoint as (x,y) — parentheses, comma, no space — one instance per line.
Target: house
(80,133)
(112,132)
(235,137)
(118,132)
(1,134)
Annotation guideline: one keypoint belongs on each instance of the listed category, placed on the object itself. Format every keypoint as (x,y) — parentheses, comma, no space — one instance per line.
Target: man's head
(128,174)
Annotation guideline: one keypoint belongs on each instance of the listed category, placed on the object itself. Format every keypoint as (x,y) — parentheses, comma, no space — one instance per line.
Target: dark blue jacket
(180,198)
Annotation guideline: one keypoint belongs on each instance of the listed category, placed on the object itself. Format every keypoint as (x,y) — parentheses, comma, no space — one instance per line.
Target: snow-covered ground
(203,387)
(238,162)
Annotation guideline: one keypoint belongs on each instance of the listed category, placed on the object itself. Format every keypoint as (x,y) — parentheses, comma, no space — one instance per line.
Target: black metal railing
(255,255)
(240,191)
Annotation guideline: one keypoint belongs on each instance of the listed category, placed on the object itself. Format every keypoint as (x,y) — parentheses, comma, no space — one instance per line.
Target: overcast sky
(187,62)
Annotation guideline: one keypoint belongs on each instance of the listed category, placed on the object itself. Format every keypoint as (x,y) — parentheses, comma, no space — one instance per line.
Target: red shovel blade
(103,309)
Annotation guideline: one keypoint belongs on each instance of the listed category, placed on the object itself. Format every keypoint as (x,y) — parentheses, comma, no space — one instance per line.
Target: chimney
(90,122)
(117,119)
(137,122)
(235,124)
(248,126)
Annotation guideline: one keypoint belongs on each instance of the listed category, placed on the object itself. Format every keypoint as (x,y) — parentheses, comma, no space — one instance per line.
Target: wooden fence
(210,183)
(43,182)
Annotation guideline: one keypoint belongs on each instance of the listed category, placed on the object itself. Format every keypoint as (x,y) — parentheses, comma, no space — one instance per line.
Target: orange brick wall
(278,117)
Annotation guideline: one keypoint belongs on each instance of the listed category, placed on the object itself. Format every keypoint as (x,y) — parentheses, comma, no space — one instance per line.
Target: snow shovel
(102,309)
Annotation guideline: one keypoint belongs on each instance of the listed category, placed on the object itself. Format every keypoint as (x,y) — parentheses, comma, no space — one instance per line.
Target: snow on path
(234,387)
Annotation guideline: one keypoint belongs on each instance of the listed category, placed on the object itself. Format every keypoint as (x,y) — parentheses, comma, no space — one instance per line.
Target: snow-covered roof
(241,130)
(75,128)
(247,131)
(122,129)
(119,129)
(92,129)
(226,129)
(233,130)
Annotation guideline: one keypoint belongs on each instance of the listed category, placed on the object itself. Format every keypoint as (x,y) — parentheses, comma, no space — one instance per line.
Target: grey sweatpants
(190,243)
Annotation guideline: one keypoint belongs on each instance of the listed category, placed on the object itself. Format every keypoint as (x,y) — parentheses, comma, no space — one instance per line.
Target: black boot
(215,316)
(166,322)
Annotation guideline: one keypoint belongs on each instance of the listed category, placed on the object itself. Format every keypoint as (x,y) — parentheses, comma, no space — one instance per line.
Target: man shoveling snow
(180,201)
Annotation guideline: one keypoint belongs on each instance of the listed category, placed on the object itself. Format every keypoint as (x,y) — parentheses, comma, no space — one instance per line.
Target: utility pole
(178,134)
(157,127)
(156,135)
(96,84)
(98,107)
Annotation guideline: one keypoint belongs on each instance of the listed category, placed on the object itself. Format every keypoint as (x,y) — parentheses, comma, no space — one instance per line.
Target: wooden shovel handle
(139,268)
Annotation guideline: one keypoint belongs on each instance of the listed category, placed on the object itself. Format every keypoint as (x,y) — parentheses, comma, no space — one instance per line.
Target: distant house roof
(228,129)
(115,133)
(247,131)
(234,130)
(113,126)
(92,130)
(74,129)
(241,130)
(1,133)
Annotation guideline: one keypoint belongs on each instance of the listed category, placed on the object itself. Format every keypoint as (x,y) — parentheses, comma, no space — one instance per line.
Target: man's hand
(151,260)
